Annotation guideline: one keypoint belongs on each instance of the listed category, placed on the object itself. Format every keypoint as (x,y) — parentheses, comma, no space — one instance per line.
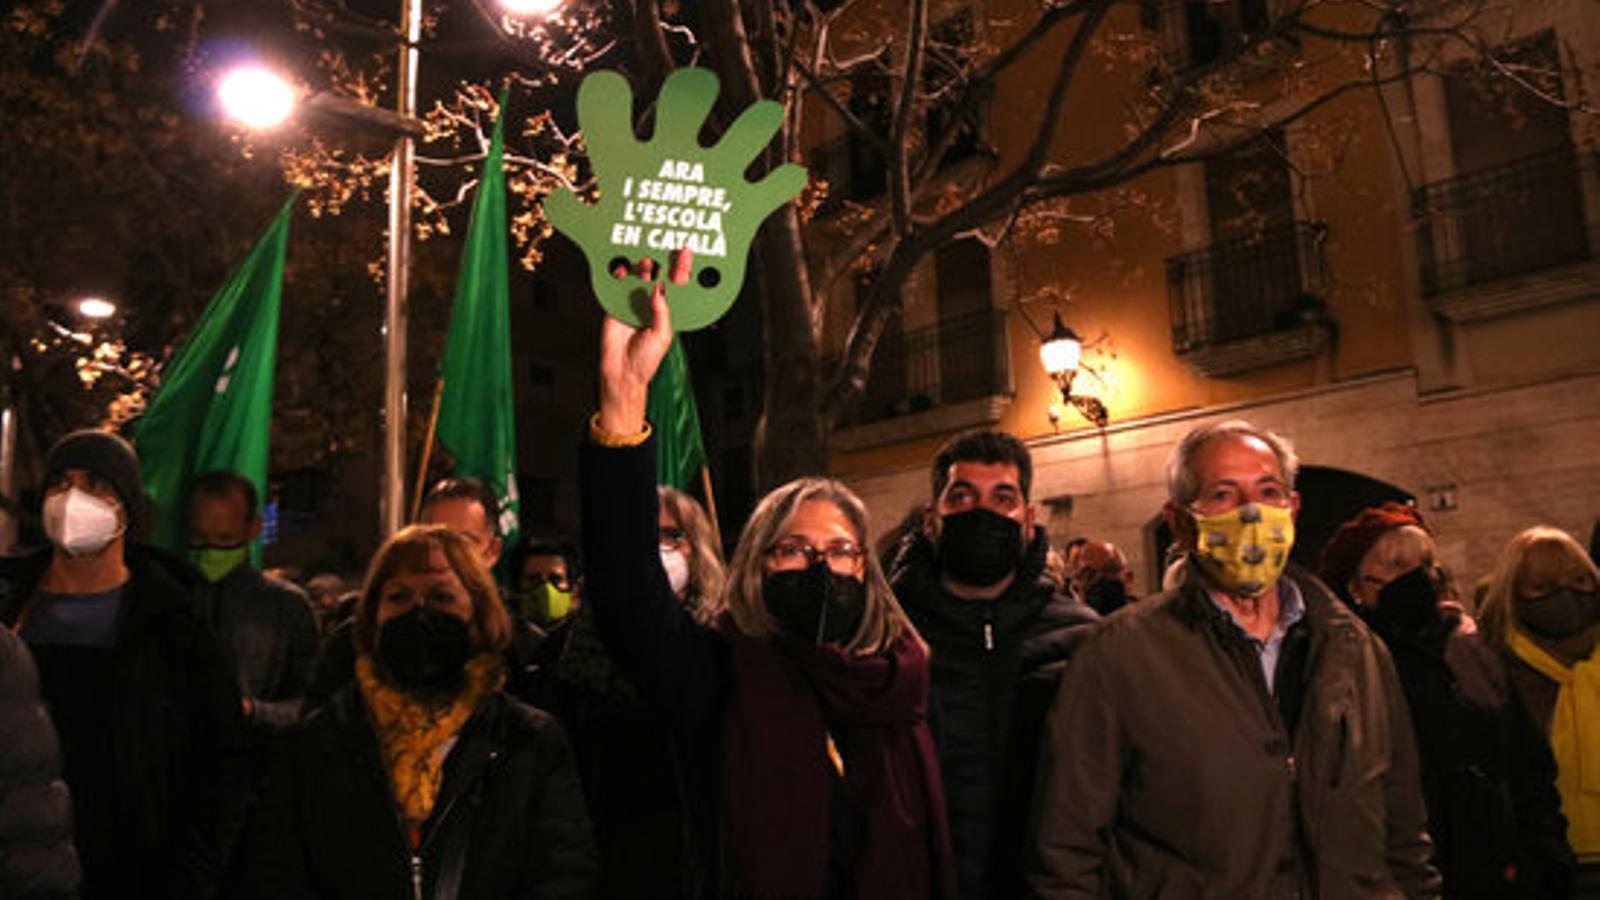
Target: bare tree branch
(910,88)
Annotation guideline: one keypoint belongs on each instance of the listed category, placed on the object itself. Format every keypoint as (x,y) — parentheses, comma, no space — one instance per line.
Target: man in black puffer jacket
(37,859)
(974,582)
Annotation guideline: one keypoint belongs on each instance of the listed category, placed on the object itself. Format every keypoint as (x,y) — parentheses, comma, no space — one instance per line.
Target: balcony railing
(1515,219)
(955,361)
(1249,286)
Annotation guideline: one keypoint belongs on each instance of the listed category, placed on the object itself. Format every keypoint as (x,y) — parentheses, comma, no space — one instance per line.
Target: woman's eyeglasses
(793,553)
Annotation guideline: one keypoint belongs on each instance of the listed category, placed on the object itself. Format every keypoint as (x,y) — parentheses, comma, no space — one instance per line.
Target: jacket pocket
(1337,753)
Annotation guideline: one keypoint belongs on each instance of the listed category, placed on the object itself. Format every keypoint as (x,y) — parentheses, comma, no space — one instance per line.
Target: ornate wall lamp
(1061,352)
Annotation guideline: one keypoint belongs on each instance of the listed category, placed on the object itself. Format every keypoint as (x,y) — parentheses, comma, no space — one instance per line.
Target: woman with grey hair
(798,712)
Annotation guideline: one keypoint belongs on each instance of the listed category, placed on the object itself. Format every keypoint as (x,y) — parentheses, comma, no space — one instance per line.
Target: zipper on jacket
(988,634)
(416,876)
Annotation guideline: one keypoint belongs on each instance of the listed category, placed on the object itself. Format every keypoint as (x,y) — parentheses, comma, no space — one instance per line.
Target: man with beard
(1241,736)
(973,581)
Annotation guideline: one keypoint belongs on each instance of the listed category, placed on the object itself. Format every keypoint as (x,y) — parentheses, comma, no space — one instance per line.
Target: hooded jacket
(172,767)
(995,666)
(1171,772)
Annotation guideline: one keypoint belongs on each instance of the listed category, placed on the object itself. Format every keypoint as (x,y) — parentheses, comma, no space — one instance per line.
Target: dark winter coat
(993,680)
(1488,776)
(269,627)
(687,670)
(37,859)
(172,769)
(625,759)
(1171,771)
(509,820)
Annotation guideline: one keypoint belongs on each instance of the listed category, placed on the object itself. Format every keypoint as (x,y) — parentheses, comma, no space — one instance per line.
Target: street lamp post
(402,177)
(260,99)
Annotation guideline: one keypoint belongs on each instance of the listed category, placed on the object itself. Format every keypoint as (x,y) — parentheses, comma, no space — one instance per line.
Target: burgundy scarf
(787,696)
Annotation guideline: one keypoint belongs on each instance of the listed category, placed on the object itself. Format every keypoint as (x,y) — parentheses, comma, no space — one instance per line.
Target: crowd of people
(959,711)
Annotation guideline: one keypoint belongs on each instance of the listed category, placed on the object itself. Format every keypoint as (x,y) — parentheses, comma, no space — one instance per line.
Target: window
(961,357)
(1262,272)
(949,50)
(1218,29)
(1515,205)
(869,103)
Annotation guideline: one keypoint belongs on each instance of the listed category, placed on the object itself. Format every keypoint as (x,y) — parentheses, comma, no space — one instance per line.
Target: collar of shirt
(1291,609)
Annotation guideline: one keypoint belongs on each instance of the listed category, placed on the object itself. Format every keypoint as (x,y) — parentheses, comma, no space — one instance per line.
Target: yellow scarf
(414,738)
(1575,740)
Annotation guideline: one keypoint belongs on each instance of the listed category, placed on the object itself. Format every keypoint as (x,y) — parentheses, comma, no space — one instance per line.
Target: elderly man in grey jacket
(1241,736)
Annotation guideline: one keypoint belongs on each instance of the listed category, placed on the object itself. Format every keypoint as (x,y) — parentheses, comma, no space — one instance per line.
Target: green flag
(671,410)
(213,409)
(477,418)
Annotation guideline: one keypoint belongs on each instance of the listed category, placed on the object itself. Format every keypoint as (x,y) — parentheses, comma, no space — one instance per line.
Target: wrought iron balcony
(955,361)
(1246,287)
(1511,220)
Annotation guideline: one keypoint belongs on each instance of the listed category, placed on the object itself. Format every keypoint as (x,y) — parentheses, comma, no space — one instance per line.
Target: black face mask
(425,649)
(816,603)
(979,547)
(1559,613)
(1410,601)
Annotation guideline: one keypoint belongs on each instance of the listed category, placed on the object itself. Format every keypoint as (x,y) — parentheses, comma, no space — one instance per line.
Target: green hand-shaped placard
(670,192)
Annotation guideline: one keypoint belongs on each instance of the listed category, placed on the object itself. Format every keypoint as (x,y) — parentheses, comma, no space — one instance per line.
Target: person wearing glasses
(798,712)
(1242,736)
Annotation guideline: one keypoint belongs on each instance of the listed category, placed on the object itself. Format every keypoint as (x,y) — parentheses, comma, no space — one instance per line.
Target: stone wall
(1497,461)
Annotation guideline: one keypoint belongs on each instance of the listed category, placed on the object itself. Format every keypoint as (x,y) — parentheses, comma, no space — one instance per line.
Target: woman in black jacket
(1487,775)
(423,779)
(37,859)
(799,713)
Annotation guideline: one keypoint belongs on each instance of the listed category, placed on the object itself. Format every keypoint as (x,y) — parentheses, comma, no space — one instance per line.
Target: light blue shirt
(1291,609)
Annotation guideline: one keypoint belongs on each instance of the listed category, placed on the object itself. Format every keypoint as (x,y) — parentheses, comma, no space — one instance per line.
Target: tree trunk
(792,436)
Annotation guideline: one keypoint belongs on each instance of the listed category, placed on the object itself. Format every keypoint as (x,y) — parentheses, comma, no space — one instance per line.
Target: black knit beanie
(107,456)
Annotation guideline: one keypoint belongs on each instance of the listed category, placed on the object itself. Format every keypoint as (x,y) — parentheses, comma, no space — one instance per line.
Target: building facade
(1405,281)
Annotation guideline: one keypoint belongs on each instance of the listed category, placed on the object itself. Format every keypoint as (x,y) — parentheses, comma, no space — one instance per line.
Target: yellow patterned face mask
(1244,549)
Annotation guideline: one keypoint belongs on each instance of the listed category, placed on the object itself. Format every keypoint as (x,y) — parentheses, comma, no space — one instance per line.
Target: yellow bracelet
(606,439)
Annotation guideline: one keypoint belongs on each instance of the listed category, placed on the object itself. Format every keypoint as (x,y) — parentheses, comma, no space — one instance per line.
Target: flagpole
(427,451)
(711,504)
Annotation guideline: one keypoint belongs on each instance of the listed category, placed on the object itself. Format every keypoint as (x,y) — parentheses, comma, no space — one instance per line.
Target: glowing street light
(256,97)
(96,308)
(259,98)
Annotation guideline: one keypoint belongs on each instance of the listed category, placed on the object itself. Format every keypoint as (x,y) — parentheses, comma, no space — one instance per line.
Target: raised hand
(629,356)
(670,192)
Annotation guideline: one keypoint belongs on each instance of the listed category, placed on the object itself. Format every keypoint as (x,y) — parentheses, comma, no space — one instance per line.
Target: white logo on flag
(227,370)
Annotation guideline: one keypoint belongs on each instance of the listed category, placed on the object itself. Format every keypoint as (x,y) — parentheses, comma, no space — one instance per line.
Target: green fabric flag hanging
(671,410)
(477,416)
(213,409)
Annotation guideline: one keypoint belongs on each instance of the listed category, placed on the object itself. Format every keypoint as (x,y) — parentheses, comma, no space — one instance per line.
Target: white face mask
(677,569)
(79,522)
